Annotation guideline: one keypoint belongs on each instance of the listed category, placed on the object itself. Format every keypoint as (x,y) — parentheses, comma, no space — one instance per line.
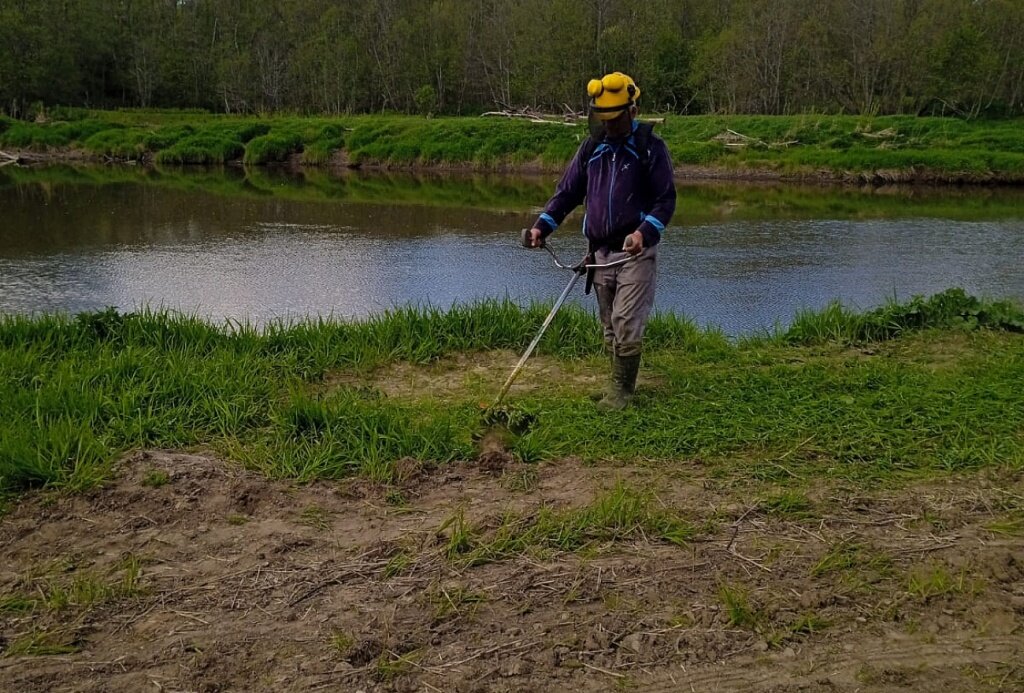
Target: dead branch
(532,117)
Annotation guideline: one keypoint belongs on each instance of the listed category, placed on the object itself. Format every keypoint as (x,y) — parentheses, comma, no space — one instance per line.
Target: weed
(620,514)
(455,602)
(792,504)
(928,582)
(396,498)
(237,519)
(341,642)
(390,666)
(850,557)
(399,564)
(43,642)
(1011,525)
(156,478)
(521,480)
(316,517)
(808,624)
(738,608)
(17,604)
(460,538)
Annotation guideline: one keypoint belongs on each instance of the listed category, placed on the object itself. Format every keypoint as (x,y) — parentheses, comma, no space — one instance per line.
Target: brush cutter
(498,414)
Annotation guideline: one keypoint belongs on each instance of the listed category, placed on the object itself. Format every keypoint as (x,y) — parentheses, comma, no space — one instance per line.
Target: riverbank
(314,506)
(841,149)
(703,201)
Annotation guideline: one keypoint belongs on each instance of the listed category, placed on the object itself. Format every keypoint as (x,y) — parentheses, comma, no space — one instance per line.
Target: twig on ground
(737,523)
(603,671)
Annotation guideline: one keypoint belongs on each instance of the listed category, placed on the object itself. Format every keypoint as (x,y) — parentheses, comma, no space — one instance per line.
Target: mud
(256,585)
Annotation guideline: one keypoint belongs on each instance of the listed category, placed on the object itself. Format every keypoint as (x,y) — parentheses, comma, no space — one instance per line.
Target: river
(262,246)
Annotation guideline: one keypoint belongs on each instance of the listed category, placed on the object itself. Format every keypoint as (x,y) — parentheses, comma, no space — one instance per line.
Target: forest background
(868,57)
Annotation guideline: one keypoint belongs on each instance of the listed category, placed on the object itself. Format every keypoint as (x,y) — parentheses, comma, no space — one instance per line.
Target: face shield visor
(609,126)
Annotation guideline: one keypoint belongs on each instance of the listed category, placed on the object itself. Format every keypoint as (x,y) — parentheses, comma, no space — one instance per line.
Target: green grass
(885,147)
(156,479)
(66,587)
(738,608)
(297,401)
(929,582)
(620,514)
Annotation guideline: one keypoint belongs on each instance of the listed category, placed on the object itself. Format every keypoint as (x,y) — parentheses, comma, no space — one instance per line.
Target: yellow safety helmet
(612,94)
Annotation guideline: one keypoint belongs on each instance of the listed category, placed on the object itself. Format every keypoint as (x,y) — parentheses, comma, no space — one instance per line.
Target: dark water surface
(270,246)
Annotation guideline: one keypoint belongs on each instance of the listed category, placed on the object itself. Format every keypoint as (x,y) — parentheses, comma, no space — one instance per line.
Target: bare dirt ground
(245,584)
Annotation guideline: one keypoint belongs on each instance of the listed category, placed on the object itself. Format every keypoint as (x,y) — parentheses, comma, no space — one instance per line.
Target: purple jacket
(622,194)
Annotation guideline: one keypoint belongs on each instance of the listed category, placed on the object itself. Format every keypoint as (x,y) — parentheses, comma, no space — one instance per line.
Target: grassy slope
(76,393)
(893,147)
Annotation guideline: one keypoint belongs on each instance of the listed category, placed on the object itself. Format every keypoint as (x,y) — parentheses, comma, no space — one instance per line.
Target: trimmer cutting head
(508,416)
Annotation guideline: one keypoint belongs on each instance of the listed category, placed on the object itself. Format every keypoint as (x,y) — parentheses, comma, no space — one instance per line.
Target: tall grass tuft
(951,309)
(276,147)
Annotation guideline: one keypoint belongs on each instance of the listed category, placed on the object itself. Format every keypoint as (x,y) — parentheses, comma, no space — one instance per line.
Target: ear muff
(614,82)
(595,88)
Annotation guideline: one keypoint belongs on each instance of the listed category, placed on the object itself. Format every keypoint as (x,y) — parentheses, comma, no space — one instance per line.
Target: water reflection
(84,244)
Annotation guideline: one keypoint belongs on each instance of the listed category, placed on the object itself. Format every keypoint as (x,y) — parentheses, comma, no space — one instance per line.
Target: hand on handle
(532,238)
(634,243)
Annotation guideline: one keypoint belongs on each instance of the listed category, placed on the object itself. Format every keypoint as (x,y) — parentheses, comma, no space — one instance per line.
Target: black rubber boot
(624,371)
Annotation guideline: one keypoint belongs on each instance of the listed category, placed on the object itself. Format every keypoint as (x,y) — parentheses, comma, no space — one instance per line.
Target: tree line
(958,57)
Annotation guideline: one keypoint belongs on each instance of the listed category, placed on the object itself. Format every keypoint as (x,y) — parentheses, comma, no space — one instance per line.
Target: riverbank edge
(340,161)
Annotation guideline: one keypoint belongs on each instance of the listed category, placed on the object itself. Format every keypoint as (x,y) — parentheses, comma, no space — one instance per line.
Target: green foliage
(951,309)
(75,392)
(156,479)
(881,149)
(958,57)
(272,148)
(738,608)
(617,515)
(202,149)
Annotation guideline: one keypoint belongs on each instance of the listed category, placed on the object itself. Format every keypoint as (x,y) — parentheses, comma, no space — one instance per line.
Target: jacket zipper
(611,187)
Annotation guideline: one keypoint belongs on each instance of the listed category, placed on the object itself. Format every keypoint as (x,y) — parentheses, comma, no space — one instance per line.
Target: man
(625,174)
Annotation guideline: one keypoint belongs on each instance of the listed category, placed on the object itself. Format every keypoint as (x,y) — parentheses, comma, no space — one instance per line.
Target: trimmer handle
(526,239)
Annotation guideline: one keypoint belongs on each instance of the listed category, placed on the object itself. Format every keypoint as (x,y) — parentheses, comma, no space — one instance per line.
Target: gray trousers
(625,296)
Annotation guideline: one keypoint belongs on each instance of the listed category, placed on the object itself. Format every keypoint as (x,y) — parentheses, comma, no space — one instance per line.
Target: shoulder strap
(642,137)
(587,148)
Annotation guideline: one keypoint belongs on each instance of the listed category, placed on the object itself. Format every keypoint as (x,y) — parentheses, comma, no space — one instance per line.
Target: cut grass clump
(619,515)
